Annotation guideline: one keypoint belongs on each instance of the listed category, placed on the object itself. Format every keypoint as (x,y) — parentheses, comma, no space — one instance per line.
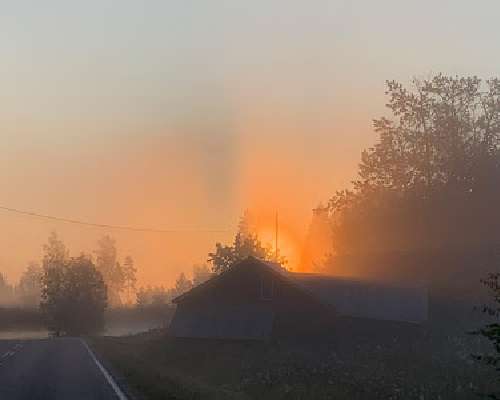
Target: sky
(181,114)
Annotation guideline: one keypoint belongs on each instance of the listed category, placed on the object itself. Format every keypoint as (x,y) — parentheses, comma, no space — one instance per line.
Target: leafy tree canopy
(246,243)
(74,297)
(73,293)
(433,171)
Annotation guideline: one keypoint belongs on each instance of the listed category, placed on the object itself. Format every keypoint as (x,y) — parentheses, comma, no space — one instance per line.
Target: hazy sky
(179,114)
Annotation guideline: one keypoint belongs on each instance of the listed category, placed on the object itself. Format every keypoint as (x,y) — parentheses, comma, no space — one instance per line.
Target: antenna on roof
(276,253)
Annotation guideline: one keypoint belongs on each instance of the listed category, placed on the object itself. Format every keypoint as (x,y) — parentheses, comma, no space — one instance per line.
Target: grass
(344,366)
(151,368)
(20,318)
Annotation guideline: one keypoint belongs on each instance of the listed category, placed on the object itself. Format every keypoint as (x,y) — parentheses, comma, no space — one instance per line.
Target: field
(361,360)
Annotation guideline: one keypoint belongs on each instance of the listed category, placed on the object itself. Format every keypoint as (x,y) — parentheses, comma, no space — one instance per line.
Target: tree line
(159,296)
(432,176)
(27,292)
(431,179)
(76,290)
(119,277)
(246,243)
(427,193)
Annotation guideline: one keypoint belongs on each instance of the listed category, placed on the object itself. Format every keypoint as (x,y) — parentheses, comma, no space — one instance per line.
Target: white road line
(6,355)
(106,374)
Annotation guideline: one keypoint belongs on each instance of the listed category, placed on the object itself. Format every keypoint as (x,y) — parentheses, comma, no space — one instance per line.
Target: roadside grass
(160,367)
(145,364)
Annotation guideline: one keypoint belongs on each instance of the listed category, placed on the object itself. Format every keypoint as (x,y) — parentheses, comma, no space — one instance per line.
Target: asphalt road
(51,369)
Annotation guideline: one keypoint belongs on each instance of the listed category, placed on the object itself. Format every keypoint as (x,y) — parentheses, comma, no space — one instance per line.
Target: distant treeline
(27,291)
(119,277)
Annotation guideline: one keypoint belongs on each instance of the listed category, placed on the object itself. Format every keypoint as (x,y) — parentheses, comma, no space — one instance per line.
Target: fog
(182,126)
(193,175)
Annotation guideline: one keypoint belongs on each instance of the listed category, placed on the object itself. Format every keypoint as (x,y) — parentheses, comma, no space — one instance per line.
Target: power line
(108,226)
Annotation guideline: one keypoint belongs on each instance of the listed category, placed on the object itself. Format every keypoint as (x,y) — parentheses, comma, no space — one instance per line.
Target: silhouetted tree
(55,252)
(29,287)
(74,297)
(491,331)
(246,243)
(156,296)
(129,276)
(182,284)
(201,273)
(6,290)
(222,258)
(54,263)
(430,178)
(111,270)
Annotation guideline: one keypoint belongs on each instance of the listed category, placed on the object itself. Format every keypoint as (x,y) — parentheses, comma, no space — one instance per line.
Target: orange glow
(289,241)
(189,176)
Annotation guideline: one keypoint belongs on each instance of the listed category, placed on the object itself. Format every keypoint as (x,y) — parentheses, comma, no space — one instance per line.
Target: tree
(54,263)
(6,290)
(29,288)
(436,158)
(55,252)
(156,296)
(142,298)
(246,243)
(222,258)
(129,276)
(74,297)
(110,268)
(182,284)
(491,331)
(201,273)
(441,133)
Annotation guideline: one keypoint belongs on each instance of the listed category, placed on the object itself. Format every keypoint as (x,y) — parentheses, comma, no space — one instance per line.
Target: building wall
(250,303)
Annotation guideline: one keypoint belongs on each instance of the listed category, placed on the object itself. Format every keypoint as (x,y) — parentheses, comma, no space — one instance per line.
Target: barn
(259,300)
